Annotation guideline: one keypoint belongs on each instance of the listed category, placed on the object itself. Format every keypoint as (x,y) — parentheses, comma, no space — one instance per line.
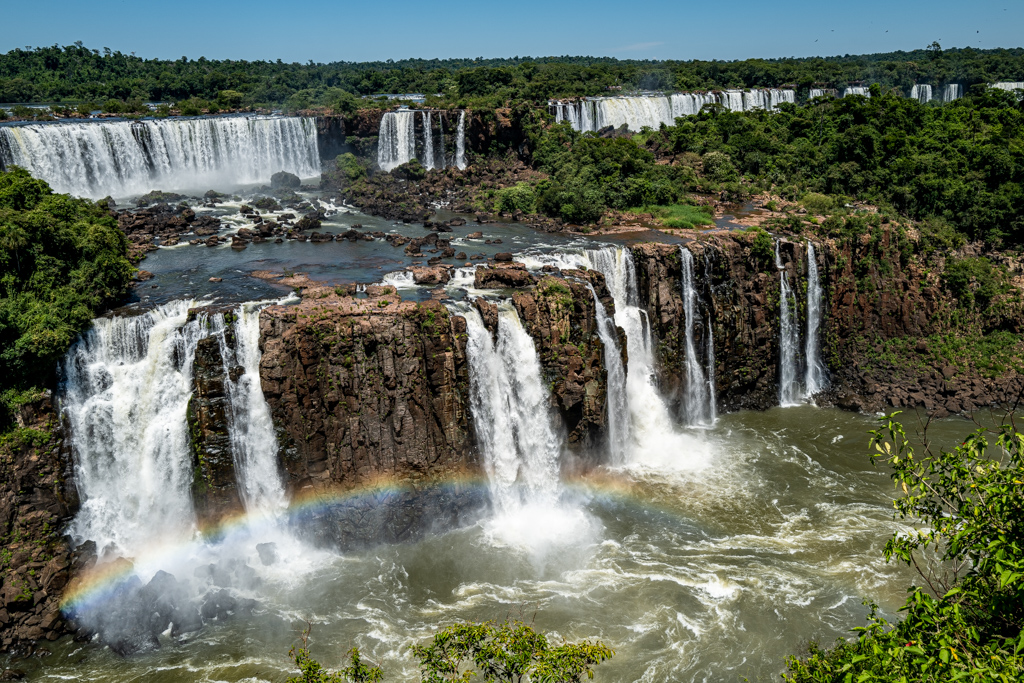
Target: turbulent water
(699,401)
(123,158)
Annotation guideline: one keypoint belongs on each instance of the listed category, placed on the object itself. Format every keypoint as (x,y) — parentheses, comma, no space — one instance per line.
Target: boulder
(284,179)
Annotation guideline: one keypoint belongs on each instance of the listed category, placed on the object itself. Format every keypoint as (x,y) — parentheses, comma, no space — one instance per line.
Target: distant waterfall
(396,144)
(952,91)
(856,90)
(789,341)
(512,413)
(652,111)
(699,403)
(124,158)
(618,403)
(428,142)
(815,376)
(253,441)
(460,141)
(921,92)
(126,384)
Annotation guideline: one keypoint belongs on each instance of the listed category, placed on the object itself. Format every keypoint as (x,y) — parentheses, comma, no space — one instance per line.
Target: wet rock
(283,179)
(267,553)
(512,275)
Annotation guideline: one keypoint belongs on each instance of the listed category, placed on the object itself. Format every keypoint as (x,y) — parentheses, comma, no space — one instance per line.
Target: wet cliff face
(371,395)
(35,563)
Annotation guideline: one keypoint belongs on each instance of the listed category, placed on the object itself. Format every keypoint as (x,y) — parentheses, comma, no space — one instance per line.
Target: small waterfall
(709,342)
(789,340)
(460,141)
(126,384)
(618,405)
(396,143)
(952,91)
(698,403)
(428,142)
(121,158)
(253,440)
(512,414)
(921,92)
(856,90)
(815,376)
(444,157)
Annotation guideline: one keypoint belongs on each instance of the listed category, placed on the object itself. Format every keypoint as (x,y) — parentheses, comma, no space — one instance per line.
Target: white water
(698,404)
(512,413)
(789,342)
(460,141)
(815,375)
(921,92)
(123,158)
(396,143)
(618,403)
(126,386)
(709,342)
(952,91)
(253,440)
(820,92)
(639,112)
(856,90)
(428,142)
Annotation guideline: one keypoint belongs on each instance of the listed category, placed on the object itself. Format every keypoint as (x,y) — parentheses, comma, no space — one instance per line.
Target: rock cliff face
(371,396)
(35,563)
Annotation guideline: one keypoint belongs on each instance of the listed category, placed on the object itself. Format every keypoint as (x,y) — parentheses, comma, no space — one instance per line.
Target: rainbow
(106,580)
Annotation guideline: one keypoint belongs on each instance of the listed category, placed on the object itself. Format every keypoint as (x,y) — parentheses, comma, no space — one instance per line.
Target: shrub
(519,197)
(762,249)
(971,280)
(719,167)
(818,204)
(349,167)
(229,99)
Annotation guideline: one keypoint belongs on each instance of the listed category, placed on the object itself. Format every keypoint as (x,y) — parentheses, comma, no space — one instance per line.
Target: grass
(685,216)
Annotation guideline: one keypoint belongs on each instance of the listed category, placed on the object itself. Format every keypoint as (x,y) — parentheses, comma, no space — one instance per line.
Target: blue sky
(327,31)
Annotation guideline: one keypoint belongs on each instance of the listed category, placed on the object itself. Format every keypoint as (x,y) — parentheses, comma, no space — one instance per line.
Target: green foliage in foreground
(62,261)
(684,216)
(968,624)
(507,652)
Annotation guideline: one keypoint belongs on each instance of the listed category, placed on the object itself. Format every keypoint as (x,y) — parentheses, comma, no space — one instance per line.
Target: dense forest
(75,74)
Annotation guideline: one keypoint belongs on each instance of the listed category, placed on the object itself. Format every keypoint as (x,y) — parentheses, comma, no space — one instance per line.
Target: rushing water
(122,158)
(789,339)
(699,401)
(690,575)
(618,403)
(815,375)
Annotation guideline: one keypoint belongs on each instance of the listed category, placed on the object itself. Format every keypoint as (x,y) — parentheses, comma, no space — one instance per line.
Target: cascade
(1009,85)
(250,426)
(952,91)
(460,141)
(121,158)
(733,100)
(788,339)
(709,341)
(921,92)
(819,92)
(618,405)
(428,142)
(396,143)
(126,384)
(856,90)
(511,411)
(440,126)
(815,375)
(698,402)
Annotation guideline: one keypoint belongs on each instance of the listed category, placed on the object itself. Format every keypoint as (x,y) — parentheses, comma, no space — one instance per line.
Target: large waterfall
(921,92)
(815,375)
(699,401)
(952,91)
(651,111)
(126,385)
(460,141)
(123,158)
(428,141)
(789,341)
(512,414)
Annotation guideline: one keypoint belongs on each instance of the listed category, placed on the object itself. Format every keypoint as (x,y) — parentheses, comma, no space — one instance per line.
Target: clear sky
(333,30)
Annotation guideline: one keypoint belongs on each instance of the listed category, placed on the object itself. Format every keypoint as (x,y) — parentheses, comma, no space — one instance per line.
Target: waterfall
(856,90)
(788,340)
(921,92)
(952,91)
(460,141)
(396,143)
(250,426)
(126,384)
(709,342)
(618,405)
(440,125)
(698,402)
(512,413)
(122,158)
(428,142)
(815,376)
